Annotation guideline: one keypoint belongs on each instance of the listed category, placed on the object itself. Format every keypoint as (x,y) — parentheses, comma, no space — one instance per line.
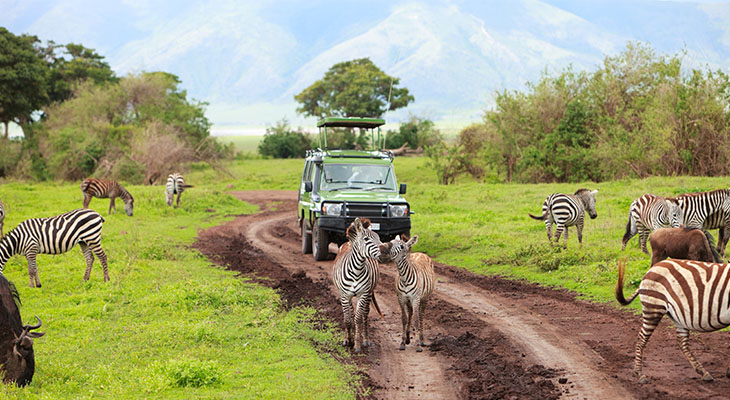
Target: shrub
(416,133)
(281,141)
(187,372)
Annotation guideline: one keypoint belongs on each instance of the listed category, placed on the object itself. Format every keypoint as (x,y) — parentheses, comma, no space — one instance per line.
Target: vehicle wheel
(320,241)
(306,239)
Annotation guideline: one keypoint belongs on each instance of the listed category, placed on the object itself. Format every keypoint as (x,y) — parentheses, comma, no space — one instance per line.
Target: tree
(281,141)
(356,88)
(71,65)
(23,78)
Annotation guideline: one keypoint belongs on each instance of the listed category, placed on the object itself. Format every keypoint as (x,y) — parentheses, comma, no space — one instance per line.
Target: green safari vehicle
(339,185)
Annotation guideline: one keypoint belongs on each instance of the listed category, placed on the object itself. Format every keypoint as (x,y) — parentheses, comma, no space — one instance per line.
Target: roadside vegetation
(168,325)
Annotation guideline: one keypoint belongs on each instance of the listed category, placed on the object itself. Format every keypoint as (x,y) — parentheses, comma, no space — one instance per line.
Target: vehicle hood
(356,195)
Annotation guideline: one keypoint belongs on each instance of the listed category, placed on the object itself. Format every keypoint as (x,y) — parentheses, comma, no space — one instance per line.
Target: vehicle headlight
(400,210)
(332,208)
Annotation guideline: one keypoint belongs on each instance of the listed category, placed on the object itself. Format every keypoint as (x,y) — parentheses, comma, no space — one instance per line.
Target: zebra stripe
(355,274)
(708,210)
(56,235)
(414,286)
(103,189)
(175,186)
(2,218)
(566,210)
(693,294)
(649,213)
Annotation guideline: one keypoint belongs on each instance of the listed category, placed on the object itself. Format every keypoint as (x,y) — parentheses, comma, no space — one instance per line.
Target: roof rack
(373,124)
(377,154)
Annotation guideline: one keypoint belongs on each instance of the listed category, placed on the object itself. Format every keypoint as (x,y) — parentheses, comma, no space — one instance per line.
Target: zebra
(355,274)
(693,294)
(2,218)
(56,235)
(414,286)
(567,210)
(649,213)
(175,186)
(103,189)
(708,210)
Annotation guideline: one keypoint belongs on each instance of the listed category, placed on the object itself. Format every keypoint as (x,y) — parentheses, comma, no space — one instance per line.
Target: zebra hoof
(643,379)
(403,347)
(365,344)
(727,373)
(357,350)
(706,377)
(419,349)
(408,338)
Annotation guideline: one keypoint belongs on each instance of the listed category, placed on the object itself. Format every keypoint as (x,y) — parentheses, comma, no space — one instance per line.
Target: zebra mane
(581,191)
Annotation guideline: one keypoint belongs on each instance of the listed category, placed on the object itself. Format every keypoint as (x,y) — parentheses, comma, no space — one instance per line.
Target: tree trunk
(7,128)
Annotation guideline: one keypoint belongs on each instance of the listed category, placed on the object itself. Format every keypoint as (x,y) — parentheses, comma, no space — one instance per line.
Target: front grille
(371,210)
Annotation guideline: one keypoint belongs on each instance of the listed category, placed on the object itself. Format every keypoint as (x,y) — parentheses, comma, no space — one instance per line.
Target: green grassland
(168,324)
(247,144)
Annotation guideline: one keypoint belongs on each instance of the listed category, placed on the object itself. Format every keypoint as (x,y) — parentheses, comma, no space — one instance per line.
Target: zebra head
(401,247)
(362,239)
(675,215)
(129,206)
(589,201)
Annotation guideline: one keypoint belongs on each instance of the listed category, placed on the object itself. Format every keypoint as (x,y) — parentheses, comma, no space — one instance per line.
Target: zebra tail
(711,245)
(630,230)
(540,218)
(85,185)
(377,307)
(620,286)
(188,186)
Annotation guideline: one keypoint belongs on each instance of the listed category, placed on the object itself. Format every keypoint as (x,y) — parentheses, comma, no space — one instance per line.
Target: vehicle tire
(306,239)
(320,242)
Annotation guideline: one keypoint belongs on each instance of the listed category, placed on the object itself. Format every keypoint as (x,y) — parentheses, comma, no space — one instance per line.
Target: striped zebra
(708,210)
(55,235)
(566,210)
(649,213)
(355,274)
(175,186)
(414,286)
(2,218)
(693,294)
(103,189)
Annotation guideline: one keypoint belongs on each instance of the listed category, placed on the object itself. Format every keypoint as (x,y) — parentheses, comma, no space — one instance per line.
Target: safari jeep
(339,185)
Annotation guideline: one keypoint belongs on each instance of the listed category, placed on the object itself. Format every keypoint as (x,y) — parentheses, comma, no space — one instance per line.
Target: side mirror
(402,188)
(308,186)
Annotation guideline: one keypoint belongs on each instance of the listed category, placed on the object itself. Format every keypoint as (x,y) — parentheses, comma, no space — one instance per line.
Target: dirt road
(490,337)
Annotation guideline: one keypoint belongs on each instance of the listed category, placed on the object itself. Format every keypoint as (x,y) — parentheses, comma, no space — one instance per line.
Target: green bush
(189,372)
(281,141)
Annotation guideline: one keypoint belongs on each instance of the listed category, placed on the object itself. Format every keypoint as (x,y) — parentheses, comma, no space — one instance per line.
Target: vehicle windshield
(358,176)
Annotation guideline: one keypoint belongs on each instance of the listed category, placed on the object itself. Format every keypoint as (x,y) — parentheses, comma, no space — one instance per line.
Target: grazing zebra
(414,286)
(355,274)
(175,186)
(567,210)
(649,213)
(2,218)
(693,294)
(55,235)
(103,189)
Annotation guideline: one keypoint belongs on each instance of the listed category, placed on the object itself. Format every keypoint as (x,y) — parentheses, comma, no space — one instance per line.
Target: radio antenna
(390,91)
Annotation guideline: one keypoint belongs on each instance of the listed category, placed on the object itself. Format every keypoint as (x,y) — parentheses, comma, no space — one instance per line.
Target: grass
(247,144)
(168,324)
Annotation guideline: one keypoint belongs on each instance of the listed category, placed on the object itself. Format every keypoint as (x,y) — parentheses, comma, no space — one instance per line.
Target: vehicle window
(357,176)
(308,171)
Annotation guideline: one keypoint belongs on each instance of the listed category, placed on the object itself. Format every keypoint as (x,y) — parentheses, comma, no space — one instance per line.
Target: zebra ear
(412,241)
(594,192)
(397,237)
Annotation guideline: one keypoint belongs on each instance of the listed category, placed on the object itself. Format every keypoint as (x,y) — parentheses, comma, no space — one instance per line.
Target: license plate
(375,227)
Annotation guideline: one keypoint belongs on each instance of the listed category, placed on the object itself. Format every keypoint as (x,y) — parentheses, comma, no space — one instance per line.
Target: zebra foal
(355,274)
(414,286)
(175,186)
(103,189)
(693,294)
(565,210)
(649,213)
(55,235)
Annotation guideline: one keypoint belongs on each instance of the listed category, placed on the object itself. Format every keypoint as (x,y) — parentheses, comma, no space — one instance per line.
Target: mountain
(248,59)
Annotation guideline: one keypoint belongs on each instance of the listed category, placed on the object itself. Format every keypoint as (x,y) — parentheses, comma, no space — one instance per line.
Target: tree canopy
(356,88)
(71,65)
(23,78)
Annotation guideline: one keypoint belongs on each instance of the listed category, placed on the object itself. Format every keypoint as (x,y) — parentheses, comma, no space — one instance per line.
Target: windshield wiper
(379,188)
(343,188)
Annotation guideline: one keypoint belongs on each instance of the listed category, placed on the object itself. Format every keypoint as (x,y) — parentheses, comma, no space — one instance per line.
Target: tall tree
(356,88)
(23,78)
(71,65)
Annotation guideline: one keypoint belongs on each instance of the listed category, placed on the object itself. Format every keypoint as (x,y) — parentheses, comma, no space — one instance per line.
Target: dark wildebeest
(682,243)
(16,339)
